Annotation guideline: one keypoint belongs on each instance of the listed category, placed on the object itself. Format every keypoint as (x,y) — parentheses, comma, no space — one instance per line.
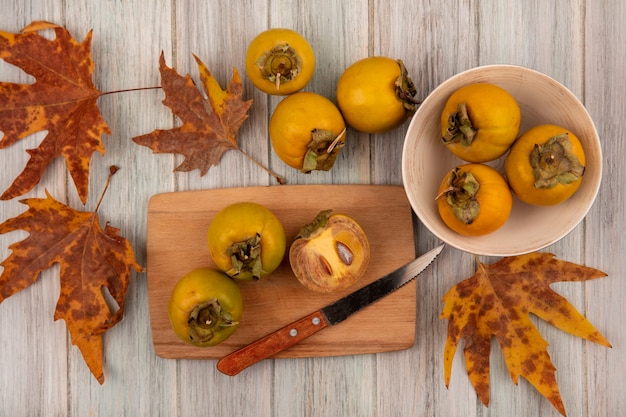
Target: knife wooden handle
(271,344)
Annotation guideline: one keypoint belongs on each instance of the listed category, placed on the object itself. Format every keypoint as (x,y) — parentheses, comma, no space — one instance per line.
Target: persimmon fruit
(330,253)
(280,61)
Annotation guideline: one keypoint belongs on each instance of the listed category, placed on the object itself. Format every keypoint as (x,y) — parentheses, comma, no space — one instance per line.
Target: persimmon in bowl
(542,100)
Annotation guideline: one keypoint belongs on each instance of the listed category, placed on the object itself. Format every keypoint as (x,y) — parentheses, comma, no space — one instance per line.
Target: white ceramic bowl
(425,161)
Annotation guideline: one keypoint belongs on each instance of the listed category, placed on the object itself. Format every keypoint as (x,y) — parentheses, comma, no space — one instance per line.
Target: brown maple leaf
(90,260)
(61,101)
(209,125)
(496,301)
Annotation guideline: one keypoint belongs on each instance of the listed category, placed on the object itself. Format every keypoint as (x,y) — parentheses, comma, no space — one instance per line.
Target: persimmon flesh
(330,253)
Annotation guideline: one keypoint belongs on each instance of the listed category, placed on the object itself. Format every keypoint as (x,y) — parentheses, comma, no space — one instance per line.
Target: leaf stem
(281,180)
(112,170)
(130,89)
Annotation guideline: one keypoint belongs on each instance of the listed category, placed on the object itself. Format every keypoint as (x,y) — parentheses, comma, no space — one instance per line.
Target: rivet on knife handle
(271,344)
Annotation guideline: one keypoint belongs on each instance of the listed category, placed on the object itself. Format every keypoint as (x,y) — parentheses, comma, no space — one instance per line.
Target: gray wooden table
(579,43)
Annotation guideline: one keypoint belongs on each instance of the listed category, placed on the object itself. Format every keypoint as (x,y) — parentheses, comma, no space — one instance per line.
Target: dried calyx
(554,163)
(406,91)
(322,150)
(246,256)
(206,319)
(460,127)
(460,194)
(280,64)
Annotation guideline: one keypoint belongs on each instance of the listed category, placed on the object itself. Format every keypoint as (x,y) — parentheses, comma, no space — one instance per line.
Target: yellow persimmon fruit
(375,94)
(307,131)
(479,122)
(474,200)
(280,61)
(545,165)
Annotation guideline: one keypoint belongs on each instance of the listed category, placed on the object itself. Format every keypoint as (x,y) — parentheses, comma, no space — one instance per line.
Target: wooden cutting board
(177,226)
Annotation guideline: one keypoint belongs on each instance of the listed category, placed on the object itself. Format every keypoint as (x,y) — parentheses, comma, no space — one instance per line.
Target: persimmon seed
(345,254)
(326,265)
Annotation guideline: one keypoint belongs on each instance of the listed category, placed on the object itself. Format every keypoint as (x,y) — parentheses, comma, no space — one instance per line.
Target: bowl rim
(462,244)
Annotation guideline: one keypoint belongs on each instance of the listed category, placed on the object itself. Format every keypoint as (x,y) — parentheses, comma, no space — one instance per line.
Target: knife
(330,315)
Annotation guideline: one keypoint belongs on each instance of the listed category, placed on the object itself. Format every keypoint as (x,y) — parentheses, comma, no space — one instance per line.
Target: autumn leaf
(496,301)
(61,101)
(90,258)
(209,126)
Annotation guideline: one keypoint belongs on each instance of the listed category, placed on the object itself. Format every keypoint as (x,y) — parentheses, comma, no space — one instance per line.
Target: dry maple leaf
(209,126)
(496,301)
(61,101)
(90,260)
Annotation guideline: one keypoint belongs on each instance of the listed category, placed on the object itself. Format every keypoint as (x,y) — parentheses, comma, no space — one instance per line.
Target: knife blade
(329,315)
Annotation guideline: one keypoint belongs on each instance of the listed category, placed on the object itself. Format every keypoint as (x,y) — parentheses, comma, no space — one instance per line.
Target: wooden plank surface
(578,43)
(177,225)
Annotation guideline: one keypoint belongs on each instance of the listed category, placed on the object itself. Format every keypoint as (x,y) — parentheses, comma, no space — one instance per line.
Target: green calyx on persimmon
(205,307)
(323,150)
(246,241)
(280,64)
(554,162)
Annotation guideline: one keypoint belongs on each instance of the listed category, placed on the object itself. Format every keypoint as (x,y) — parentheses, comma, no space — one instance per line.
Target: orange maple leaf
(90,260)
(61,101)
(496,301)
(209,126)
